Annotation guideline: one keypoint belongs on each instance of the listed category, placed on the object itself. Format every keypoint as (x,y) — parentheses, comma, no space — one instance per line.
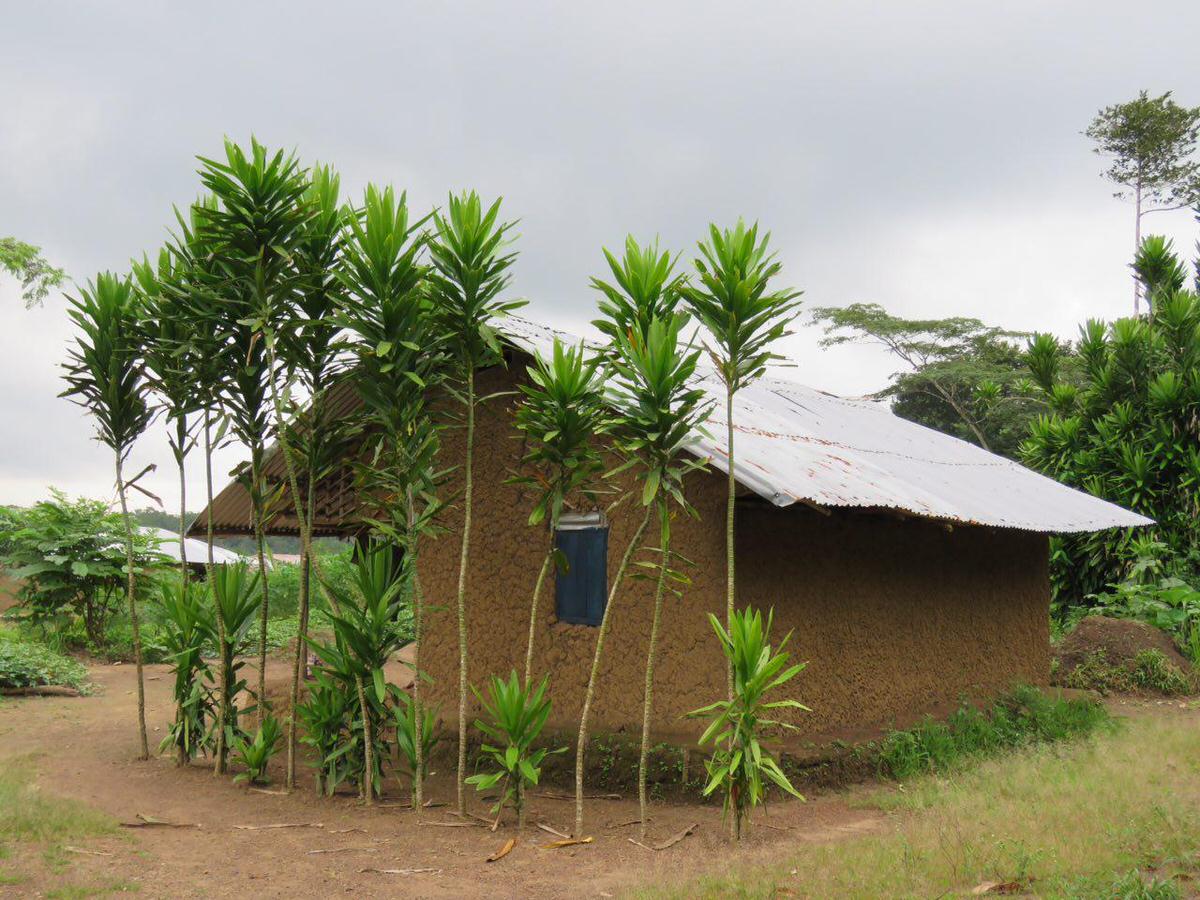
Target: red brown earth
(1119,640)
(84,748)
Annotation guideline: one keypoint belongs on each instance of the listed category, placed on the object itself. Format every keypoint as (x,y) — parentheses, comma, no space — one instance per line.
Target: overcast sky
(925,156)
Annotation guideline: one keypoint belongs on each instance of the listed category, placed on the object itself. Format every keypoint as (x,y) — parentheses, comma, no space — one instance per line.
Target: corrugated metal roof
(796,444)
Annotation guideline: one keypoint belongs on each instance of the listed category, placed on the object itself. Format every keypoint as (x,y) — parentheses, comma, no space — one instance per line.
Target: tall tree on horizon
(104,375)
(1151,142)
(470,268)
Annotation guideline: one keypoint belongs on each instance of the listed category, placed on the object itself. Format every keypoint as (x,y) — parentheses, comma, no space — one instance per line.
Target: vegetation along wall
(892,615)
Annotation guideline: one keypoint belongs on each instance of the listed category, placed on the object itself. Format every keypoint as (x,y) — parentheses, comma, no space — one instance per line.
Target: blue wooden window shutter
(581,591)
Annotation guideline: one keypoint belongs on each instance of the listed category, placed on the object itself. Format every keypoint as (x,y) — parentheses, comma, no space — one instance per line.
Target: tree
(561,415)
(398,360)
(658,409)
(1128,432)
(104,375)
(253,231)
(646,289)
(470,270)
(731,299)
(25,261)
(965,378)
(70,558)
(169,352)
(302,347)
(1151,142)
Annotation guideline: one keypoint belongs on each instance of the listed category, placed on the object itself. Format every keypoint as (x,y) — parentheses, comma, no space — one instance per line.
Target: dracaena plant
(732,297)
(741,767)
(646,287)
(398,359)
(254,753)
(105,375)
(659,408)
(237,601)
(368,629)
(302,347)
(516,714)
(193,291)
(561,415)
(253,232)
(186,626)
(470,257)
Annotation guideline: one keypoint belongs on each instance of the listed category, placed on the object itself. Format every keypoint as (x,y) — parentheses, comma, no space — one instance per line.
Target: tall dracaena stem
(260,540)
(730,506)
(411,547)
(651,654)
(181,438)
(130,593)
(220,751)
(464,558)
(605,625)
(537,592)
(304,523)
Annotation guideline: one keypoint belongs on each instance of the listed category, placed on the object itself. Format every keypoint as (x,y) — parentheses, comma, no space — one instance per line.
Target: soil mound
(1117,642)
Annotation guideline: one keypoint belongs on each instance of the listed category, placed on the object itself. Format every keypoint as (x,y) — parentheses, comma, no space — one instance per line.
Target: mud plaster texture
(892,616)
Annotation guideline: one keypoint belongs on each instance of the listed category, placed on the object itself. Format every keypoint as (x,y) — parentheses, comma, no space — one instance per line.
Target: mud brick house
(912,566)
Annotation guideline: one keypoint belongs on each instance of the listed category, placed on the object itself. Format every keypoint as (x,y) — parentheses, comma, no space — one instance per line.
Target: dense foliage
(25,664)
(70,557)
(1127,432)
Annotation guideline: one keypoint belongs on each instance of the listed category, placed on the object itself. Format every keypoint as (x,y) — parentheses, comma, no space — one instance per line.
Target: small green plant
(234,589)
(325,717)
(186,623)
(517,714)
(256,753)
(740,766)
(405,713)
(1152,670)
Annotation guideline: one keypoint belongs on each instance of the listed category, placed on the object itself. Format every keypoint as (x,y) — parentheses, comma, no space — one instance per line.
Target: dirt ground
(84,748)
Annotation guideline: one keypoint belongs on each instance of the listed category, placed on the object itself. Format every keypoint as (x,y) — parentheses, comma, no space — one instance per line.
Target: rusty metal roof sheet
(796,444)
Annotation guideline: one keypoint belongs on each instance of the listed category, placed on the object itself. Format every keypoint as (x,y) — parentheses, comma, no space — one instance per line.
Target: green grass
(1116,816)
(1025,716)
(1150,671)
(27,814)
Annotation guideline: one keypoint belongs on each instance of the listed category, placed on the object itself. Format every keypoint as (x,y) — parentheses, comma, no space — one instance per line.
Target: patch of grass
(25,663)
(1133,885)
(1150,670)
(26,814)
(1066,819)
(1026,716)
(79,892)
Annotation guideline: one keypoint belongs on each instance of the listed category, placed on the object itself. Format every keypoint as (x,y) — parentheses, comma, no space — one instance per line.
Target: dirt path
(84,748)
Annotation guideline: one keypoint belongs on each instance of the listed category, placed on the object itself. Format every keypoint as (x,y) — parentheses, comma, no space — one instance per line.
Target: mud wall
(892,616)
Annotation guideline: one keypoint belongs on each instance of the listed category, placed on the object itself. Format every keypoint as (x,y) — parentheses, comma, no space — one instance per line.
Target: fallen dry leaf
(567,842)
(503,851)
(145,821)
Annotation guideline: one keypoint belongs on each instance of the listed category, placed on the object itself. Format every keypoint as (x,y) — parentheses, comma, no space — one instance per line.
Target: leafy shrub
(1150,595)
(26,664)
(740,766)
(326,720)
(70,556)
(1026,716)
(187,624)
(256,753)
(516,715)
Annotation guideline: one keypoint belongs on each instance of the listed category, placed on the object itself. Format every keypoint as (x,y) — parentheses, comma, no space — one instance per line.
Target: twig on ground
(86,851)
(403,871)
(568,842)
(629,822)
(551,795)
(342,850)
(669,842)
(145,821)
(280,825)
(553,831)
(455,824)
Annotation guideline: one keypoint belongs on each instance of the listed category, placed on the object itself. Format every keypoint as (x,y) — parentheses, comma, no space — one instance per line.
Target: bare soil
(84,748)
(1119,640)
